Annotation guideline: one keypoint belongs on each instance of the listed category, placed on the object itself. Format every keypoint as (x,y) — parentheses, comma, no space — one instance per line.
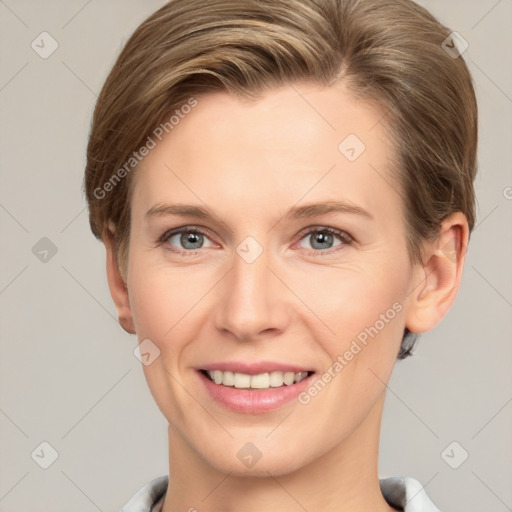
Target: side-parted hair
(389,53)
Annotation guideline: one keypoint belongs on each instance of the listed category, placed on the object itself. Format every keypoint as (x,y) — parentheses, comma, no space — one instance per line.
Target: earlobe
(436,282)
(118,288)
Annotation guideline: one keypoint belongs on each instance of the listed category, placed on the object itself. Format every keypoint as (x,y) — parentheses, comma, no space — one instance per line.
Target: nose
(253,302)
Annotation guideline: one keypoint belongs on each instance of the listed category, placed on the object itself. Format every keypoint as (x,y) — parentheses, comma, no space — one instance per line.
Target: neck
(343,479)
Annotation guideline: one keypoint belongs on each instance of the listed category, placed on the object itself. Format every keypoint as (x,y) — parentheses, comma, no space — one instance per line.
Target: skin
(249,162)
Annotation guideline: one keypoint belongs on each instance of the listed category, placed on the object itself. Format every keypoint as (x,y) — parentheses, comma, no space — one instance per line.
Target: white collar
(402,492)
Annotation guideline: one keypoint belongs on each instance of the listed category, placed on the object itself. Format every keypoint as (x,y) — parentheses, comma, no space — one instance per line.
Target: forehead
(300,141)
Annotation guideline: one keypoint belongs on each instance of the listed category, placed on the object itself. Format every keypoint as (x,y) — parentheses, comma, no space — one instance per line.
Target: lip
(253,401)
(254,368)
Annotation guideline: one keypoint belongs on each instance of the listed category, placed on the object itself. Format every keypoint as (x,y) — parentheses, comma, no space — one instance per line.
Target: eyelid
(183,229)
(346,238)
(341,233)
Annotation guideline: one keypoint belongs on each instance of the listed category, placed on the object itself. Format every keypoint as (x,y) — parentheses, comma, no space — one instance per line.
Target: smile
(254,393)
(266,380)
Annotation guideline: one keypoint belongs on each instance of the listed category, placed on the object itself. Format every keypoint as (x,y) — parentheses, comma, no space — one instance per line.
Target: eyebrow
(296,212)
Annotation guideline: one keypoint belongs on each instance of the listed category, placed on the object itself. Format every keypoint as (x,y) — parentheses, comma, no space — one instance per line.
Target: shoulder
(148,498)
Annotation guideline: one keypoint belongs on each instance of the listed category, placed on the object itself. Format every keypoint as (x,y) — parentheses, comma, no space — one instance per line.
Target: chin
(258,458)
(275,464)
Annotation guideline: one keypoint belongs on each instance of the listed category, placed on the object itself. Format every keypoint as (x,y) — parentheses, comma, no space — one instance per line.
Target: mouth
(254,393)
(267,380)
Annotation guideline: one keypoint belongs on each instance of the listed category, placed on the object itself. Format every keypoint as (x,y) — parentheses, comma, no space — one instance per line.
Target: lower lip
(254,401)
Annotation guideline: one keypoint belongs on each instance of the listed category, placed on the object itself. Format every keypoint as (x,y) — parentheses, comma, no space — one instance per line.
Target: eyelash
(343,235)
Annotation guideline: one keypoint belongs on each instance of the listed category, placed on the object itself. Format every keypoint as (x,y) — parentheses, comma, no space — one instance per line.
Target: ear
(117,286)
(436,281)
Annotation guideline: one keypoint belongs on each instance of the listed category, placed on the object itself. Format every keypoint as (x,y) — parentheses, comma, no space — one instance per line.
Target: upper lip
(254,368)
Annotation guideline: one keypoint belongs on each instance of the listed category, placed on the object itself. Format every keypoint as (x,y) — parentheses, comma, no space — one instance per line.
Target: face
(251,282)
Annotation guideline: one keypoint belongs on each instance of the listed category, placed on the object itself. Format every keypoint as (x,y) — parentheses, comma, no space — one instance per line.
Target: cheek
(163,310)
(366,317)
(160,297)
(349,300)
(362,321)
(151,309)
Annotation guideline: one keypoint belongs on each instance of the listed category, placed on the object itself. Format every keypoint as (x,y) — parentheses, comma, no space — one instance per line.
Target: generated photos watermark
(137,156)
(343,360)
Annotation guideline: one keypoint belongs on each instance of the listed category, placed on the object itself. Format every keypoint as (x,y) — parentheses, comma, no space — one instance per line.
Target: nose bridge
(251,301)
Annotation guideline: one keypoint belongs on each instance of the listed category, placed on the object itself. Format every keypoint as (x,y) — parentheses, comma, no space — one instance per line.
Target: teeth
(260,381)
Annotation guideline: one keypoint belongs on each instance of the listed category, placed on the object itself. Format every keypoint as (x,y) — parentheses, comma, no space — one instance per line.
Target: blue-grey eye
(187,239)
(321,239)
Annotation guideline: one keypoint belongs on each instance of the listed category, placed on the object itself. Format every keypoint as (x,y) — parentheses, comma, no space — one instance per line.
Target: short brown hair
(387,52)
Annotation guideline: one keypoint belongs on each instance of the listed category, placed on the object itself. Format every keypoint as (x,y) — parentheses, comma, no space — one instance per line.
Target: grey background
(68,375)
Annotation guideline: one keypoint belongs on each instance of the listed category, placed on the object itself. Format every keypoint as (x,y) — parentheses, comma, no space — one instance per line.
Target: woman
(285,193)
